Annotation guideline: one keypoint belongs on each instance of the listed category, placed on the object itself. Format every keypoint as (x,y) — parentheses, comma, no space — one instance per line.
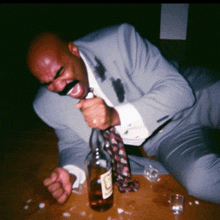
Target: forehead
(48,58)
(45,55)
(46,64)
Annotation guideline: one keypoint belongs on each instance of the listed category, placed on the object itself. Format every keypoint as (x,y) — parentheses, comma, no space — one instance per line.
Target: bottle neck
(96,140)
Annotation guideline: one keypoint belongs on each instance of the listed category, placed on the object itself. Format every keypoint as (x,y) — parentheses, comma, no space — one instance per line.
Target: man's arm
(70,173)
(163,92)
(151,85)
(73,149)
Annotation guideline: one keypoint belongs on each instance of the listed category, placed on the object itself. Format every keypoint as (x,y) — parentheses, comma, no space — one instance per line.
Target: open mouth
(75,89)
(68,88)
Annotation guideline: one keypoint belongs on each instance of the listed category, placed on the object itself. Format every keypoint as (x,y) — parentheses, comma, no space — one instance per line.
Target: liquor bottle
(98,170)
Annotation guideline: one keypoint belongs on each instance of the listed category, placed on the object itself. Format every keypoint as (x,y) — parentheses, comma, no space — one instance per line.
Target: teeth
(70,91)
(77,87)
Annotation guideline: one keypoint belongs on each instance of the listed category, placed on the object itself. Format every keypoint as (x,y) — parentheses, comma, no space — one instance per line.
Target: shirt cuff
(79,173)
(132,128)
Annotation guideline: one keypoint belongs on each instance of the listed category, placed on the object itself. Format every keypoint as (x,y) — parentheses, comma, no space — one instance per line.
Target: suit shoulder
(50,106)
(106,32)
(126,26)
(43,99)
(46,99)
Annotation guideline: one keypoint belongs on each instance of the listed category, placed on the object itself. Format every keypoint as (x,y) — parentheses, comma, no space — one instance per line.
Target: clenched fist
(97,114)
(59,184)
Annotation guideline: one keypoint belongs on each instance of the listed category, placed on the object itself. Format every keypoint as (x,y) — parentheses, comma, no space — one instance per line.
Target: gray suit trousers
(191,152)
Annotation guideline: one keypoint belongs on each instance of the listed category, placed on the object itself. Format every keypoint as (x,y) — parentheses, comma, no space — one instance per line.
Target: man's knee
(203,179)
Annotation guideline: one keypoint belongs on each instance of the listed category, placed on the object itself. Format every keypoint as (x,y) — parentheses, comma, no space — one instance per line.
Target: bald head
(57,64)
(44,49)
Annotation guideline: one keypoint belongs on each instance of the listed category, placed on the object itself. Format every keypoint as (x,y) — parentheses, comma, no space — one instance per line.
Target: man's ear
(73,49)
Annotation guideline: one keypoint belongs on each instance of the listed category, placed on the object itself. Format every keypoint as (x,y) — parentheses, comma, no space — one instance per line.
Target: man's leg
(189,157)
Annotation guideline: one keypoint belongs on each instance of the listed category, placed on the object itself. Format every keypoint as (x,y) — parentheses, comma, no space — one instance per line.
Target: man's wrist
(78,173)
(73,178)
(115,118)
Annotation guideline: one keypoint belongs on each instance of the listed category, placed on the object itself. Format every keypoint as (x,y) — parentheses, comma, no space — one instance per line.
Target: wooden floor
(30,156)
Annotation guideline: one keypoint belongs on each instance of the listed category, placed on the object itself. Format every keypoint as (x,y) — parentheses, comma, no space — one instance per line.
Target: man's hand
(97,114)
(59,184)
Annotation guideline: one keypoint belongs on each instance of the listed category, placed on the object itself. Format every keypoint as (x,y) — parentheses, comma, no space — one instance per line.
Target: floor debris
(29,201)
(41,205)
(26,207)
(119,210)
(73,207)
(66,214)
(197,202)
(128,213)
(83,213)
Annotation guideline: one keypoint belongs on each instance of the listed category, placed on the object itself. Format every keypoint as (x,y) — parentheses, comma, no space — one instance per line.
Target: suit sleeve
(73,149)
(164,93)
(58,113)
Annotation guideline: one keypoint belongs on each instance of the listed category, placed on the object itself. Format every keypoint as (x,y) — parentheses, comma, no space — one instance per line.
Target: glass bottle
(99,174)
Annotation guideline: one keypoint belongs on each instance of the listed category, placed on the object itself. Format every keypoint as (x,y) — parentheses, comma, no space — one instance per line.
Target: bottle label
(106,183)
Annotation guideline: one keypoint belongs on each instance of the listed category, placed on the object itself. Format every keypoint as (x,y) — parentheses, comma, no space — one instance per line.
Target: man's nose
(58,85)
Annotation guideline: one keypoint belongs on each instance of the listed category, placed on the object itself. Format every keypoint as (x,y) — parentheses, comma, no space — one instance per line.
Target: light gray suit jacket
(128,68)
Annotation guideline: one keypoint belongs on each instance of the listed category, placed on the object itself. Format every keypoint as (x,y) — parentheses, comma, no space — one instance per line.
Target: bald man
(57,64)
(136,90)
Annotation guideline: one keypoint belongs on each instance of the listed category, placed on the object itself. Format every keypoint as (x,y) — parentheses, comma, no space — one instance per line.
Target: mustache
(68,87)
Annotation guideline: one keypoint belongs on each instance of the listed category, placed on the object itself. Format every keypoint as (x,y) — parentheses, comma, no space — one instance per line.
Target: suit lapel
(108,86)
(109,81)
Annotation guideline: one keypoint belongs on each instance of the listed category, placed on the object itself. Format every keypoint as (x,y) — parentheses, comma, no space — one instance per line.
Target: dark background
(21,22)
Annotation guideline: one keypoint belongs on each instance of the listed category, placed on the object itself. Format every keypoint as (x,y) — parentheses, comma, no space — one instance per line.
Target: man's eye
(59,72)
(44,83)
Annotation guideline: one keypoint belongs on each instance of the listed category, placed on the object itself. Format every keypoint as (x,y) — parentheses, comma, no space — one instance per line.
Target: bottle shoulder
(98,159)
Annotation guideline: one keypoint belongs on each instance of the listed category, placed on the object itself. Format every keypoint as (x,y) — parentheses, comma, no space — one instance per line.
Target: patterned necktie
(121,171)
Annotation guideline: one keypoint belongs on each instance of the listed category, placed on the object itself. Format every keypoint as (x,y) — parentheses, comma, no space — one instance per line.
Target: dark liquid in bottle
(97,203)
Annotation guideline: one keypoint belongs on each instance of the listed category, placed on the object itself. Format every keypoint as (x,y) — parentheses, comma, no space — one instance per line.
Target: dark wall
(203,37)
(21,22)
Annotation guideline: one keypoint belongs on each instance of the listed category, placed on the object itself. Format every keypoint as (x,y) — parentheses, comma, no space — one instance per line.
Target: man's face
(57,67)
